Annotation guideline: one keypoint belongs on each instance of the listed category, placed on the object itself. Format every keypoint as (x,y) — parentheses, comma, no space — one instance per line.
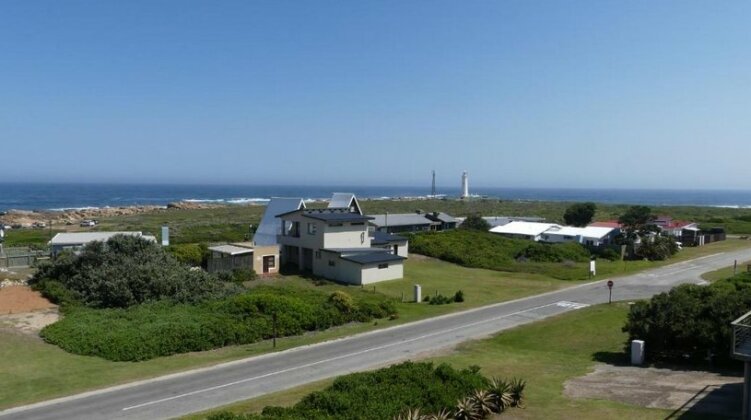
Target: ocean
(71,196)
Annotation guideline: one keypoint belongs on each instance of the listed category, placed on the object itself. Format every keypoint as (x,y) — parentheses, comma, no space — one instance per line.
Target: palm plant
(441,415)
(483,401)
(501,392)
(517,391)
(466,410)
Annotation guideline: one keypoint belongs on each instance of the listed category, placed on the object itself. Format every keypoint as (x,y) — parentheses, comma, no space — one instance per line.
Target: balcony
(742,338)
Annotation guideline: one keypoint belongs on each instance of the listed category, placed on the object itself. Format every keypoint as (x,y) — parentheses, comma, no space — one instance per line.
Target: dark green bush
(378,395)
(150,330)
(237,276)
(658,248)
(691,322)
(124,271)
(459,296)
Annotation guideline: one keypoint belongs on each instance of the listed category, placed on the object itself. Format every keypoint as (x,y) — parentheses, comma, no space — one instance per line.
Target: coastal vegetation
(580,214)
(162,328)
(478,249)
(691,323)
(401,391)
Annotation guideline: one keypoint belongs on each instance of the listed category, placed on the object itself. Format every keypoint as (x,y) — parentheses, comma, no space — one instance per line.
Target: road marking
(572,305)
(562,304)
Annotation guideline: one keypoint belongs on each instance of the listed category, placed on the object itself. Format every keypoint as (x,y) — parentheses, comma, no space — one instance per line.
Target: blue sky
(622,94)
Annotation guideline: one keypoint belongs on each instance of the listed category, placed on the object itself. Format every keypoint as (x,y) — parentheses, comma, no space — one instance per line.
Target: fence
(21,257)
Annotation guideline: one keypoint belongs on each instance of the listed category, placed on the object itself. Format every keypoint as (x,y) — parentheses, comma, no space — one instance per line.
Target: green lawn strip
(725,273)
(546,354)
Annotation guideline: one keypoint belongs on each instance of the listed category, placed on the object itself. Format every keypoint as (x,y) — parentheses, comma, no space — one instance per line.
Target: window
(312,228)
(336,224)
(357,223)
(382,266)
(332,263)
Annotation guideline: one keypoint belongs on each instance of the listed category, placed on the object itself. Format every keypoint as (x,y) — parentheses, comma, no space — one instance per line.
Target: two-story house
(334,243)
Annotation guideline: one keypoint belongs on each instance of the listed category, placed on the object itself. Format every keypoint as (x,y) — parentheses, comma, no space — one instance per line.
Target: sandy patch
(695,391)
(30,322)
(19,299)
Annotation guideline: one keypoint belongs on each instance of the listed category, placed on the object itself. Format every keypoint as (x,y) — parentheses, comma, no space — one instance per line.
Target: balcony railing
(742,337)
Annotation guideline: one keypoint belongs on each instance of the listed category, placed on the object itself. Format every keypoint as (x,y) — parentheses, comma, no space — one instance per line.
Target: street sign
(610,284)
(610,290)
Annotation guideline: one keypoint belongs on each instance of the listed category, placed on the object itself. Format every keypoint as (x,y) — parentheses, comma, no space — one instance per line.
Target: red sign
(610,284)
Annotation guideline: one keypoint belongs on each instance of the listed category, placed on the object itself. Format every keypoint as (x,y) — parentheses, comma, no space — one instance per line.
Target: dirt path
(694,391)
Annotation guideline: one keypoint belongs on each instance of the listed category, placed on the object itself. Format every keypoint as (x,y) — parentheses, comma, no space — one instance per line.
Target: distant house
(524,230)
(442,221)
(590,235)
(335,243)
(494,221)
(244,255)
(406,222)
(74,241)
(675,228)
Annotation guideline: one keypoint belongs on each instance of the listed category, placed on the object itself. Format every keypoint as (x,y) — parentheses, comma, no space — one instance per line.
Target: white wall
(346,236)
(372,274)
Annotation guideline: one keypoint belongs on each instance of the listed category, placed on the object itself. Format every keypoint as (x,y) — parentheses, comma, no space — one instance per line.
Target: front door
(268,263)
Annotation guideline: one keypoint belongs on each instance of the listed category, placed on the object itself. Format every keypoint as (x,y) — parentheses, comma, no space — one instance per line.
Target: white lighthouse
(465,184)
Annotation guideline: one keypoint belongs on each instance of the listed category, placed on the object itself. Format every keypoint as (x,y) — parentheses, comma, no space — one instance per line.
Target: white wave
(203,200)
(79,208)
(247,200)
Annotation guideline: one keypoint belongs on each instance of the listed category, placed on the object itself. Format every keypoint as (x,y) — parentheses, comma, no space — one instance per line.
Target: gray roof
(231,249)
(332,215)
(408,219)
(372,257)
(80,238)
(346,201)
(270,226)
(382,238)
(443,217)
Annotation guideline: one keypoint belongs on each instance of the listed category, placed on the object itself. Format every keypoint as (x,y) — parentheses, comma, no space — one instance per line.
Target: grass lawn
(546,354)
(725,273)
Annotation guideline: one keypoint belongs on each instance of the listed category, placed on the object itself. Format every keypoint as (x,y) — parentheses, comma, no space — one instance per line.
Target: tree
(475,222)
(658,248)
(638,220)
(580,214)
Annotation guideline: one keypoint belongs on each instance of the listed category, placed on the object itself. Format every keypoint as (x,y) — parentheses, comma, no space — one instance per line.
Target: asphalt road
(202,389)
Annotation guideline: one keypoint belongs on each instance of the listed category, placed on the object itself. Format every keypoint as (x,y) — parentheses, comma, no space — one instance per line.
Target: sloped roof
(442,217)
(372,257)
(231,249)
(608,223)
(592,232)
(270,226)
(345,201)
(383,238)
(77,238)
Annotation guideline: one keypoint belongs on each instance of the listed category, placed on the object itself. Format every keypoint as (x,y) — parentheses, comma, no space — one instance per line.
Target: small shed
(262,259)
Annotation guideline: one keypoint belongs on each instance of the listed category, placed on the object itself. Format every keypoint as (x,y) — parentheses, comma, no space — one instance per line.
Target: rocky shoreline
(32,218)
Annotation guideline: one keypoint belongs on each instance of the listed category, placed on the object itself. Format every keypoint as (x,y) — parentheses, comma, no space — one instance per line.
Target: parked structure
(74,241)
(334,243)
(263,260)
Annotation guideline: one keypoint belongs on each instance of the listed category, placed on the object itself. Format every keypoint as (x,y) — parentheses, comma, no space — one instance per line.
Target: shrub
(691,322)
(380,394)
(475,222)
(194,255)
(459,296)
(238,275)
(163,328)
(658,249)
(342,301)
(124,271)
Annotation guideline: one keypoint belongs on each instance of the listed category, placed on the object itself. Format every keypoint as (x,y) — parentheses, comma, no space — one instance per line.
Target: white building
(524,230)
(74,241)
(590,235)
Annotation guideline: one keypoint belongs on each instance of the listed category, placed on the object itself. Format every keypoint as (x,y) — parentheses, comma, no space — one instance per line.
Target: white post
(637,352)
(418,293)
(165,235)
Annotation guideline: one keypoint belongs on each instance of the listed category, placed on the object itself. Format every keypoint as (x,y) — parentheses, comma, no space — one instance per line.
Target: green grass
(28,237)
(546,354)
(725,273)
